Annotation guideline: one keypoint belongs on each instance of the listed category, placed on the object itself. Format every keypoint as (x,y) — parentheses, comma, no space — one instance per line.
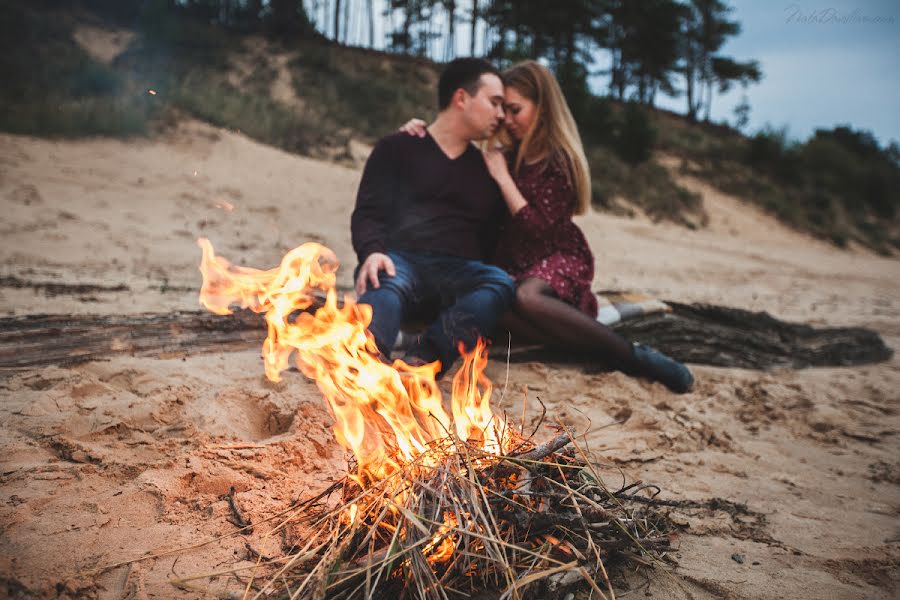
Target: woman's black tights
(539,316)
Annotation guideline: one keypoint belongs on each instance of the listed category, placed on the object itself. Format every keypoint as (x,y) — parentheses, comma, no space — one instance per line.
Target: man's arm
(369,222)
(491,228)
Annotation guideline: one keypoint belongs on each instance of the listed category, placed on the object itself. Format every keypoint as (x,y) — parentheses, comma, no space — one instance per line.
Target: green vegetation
(190,75)
(52,87)
(619,141)
(368,92)
(647,185)
(56,89)
(839,185)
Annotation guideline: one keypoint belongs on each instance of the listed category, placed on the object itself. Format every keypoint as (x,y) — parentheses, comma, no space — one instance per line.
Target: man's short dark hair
(462,73)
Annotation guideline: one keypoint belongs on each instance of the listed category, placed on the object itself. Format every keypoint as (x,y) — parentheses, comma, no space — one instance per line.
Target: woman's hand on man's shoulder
(416,127)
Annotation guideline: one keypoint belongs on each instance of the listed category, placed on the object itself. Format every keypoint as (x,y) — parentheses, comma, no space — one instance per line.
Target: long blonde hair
(553,135)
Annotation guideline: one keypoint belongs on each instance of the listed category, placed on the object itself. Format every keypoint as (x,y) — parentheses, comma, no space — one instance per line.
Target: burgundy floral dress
(542,241)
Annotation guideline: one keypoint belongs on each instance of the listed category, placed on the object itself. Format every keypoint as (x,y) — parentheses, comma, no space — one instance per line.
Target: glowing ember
(387,415)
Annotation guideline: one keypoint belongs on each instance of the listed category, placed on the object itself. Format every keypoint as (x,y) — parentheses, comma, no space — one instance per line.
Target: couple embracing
(477,242)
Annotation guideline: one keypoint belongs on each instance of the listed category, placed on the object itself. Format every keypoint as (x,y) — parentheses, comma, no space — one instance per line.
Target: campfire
(435,504)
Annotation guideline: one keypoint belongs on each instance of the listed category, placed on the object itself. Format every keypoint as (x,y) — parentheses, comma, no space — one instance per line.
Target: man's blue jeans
(468,297)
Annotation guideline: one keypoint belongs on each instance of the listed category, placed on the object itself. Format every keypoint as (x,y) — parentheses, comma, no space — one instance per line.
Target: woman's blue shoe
(655,365)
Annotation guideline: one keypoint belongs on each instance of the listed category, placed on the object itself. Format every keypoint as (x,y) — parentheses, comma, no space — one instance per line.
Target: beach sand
(107,461)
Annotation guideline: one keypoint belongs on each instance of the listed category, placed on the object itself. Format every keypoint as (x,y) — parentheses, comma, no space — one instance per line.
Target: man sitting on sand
(425,220)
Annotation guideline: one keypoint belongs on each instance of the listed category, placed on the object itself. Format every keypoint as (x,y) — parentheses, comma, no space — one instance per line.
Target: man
(425,221)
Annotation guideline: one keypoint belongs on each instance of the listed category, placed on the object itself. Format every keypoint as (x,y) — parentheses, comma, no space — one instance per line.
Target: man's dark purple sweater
(414,198)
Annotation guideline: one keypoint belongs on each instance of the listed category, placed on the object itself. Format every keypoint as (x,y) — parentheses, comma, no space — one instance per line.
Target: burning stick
(436,507)
(432,530)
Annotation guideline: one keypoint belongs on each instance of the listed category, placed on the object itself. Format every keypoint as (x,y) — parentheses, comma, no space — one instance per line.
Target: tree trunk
(450,47)
(689,73)
(699,334)
(337,20)
(615,74)
(407,27)
(345,36)
(622,82)
(284,17)
(370,8)
(256,9)
(501,40)
(570,51)
(474,27)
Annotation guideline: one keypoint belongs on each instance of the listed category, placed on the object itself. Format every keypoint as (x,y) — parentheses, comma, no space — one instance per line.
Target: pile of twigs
(459,523)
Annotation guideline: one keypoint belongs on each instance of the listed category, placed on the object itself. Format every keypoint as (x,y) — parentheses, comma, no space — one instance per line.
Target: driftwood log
(698,333)
(731,337)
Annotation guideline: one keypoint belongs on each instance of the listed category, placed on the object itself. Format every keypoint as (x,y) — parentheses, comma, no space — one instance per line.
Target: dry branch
(457,524)
(545,449)
(238,516)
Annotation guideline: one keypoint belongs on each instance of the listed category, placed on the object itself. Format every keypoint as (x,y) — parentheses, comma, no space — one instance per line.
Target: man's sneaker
(655,365)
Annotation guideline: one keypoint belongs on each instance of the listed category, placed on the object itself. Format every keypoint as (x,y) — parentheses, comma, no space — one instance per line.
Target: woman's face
(520,113)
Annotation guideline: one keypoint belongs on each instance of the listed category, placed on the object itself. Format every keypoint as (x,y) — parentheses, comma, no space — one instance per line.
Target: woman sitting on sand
(543,175)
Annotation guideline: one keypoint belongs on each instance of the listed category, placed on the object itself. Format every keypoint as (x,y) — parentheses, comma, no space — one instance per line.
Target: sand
(105,462)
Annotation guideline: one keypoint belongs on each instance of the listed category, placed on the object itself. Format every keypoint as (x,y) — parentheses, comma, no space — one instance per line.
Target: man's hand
(368,272)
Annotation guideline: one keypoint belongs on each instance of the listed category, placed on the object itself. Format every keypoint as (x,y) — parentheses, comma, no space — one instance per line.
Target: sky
(824,63)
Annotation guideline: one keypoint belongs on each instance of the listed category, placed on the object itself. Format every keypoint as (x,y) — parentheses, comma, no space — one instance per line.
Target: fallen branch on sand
(721,336)
(695,333)
(237,515)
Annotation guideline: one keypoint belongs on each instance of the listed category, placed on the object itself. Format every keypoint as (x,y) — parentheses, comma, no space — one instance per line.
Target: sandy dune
(104,462)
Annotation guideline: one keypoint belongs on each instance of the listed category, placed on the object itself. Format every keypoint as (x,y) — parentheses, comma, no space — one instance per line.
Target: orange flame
(386,415)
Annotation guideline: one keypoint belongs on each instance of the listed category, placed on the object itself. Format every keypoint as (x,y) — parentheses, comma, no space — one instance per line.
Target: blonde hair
(553,135)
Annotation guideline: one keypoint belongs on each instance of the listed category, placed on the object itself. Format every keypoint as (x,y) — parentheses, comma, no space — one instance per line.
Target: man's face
(483,112)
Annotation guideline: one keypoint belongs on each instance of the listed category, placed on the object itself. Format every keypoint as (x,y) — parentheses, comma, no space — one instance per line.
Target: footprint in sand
(25,194)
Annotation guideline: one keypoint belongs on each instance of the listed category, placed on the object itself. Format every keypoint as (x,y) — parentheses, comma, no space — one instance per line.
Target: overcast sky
(824,63)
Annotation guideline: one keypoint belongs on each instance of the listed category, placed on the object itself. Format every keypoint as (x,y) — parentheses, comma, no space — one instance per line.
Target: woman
(544,178)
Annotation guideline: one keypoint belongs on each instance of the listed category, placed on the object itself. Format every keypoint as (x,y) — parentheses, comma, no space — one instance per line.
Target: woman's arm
(497,167)
(550,203)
